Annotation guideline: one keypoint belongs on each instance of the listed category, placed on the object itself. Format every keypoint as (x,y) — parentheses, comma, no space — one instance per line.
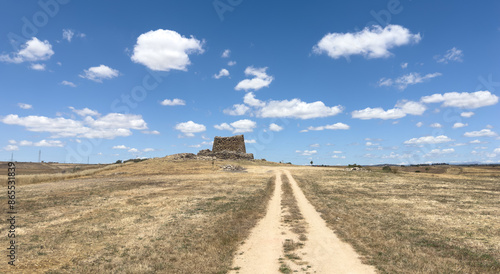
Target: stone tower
(233,143)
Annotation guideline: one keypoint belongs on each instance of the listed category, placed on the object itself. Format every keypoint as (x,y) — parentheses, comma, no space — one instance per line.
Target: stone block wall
(233,143)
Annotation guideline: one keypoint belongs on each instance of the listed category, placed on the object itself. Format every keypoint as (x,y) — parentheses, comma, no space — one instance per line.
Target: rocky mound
(226,154)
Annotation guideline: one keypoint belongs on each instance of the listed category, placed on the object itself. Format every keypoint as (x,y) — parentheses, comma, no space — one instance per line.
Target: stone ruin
(228,148)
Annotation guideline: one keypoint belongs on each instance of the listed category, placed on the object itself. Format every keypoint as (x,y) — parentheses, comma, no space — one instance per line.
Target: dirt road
(322,252)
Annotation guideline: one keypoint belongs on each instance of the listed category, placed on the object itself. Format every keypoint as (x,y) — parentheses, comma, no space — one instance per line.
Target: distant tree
(311,163)
(118,162)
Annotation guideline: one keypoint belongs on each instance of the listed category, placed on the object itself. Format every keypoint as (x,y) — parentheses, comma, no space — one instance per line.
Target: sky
(332,82)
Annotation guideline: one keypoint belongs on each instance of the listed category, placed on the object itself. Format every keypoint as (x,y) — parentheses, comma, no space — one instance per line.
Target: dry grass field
(407,222)
(169,216)
(148,217)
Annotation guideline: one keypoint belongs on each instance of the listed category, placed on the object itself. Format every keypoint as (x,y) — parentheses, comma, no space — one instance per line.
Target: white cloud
(296,108)
(497,150)
(189,128)
(475,142)
(153,132)
(314,145)
(244,125)
(452,54)
(250,100)
(335,126)
(275,127)
(25,106)
(373,42)
(419,124)
(37,66)
(438,151)
(238,109)
(68,83)
(436,125)
(165,50)
(411,107)
(489,126)
(463,100)
(85,112)
(467,114)
(428,140)
(226,53)
(337,152)
(338,157)
(231,63)
(32,51)
(133,150)
(260,80)
(173,102)
(120,147)
(250,141)
(42,143)
(11,148)
(97,74)
(239,126)
(368,144)
(378,113)
(409,79)
(223,72)
(108,127)
(482,133)
(68,34)
(224,126)
(307,152)
(404,65)
(459,125)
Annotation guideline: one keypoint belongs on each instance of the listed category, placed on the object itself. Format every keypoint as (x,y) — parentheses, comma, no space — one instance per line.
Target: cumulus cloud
(223,72)
(189,128)
(307,152)
(240,126)
(153,132)
(250,100)
(481,133)
(173,102)
(438,151)
(231,63)
(226,53)
(165,50)
(68,83)
(42,143)
(371,42)
(120,147)
(275,127)
(419,124)
(32,51)
(463,100)
(436,125)
(97,74)
(260,80)
(37,66)
(459,125)
(497,150)
(404,81)
(10,148)
(109,126)
(237,109)
(85,112)
(25,106)
(378,113)
(148,149)
(133,150)
(250,141)
(428,140)
(404,65)
(452,54)
(335,126)
(467,114)
(296,108)
(411,107)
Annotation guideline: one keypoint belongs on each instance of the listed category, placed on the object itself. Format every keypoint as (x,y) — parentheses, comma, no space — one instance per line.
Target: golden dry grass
(161,216)
(412,222)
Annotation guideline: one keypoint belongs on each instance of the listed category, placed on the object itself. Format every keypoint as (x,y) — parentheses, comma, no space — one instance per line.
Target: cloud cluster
(335,126)
(109,126)
(404,81)
(165,50)
(223,72)
(429,140)
(452,54)
(97,74)
(189,128)
(173,102)
(371,42)
(294,108)
(240,126)
(400,110)
(260,79)
(33,50)
(463,100)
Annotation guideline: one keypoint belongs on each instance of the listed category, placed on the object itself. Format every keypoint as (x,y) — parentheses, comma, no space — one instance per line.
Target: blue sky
(335,82)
